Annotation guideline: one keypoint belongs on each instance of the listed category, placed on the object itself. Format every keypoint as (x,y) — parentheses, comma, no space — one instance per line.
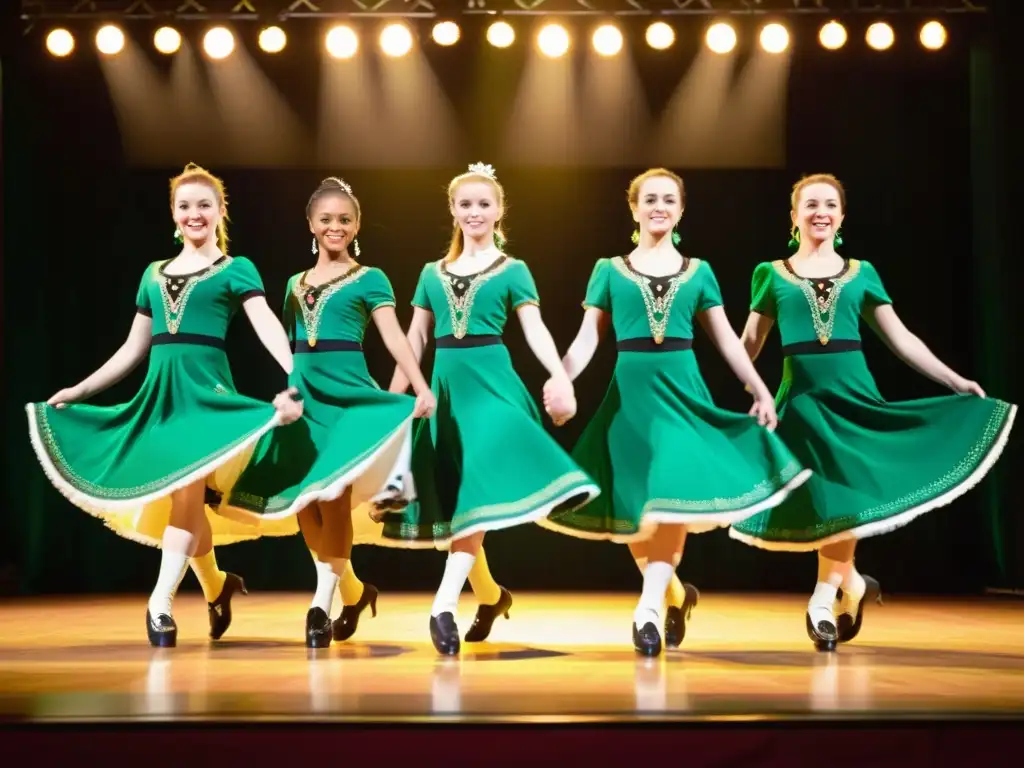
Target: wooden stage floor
(561,658)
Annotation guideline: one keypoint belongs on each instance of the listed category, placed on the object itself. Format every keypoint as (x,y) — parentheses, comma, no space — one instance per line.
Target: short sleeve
(874,292)
(246,282)
(377,291)
(419,297)
(598,291)
(710,293)
(521,288)
(762,294)
(142,303)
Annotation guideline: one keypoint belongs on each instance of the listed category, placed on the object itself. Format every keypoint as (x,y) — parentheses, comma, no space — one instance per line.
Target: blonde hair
(815,178)
(458,239)
(198,175)
(633,192)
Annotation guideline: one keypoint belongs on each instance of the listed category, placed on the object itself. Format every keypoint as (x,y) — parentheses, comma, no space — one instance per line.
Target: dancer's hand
(66,396)
(287,406)
(425,406)
(763,410)
(559,400)
(962,386)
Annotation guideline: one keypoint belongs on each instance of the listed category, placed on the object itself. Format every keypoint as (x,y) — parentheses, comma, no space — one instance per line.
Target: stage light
(774,38)
(219,43)
(273,39)
(500,34)
(660,35)
(342,42)
(880,36)
(446,33)
(395,40)
(60,43)
(607,40)
(933,35)
(553,40)
(720,37)
(832,35)
(109,40)
(167,40)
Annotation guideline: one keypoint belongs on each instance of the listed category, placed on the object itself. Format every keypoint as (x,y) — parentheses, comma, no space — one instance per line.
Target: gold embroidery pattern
(822,310)
(658,307)
(460,308)
(174,307)
(311,317)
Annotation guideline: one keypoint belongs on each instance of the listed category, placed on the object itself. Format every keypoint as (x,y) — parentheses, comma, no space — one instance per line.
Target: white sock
(173,566)
(657,575)
(821,605)
(326,583)
(456,571)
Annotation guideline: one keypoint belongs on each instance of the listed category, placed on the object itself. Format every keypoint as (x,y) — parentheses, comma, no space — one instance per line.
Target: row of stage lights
(553,40)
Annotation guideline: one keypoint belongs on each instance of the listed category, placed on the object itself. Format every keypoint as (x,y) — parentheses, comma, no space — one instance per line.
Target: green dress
(352,432)
(658,446)
(187,422)
(484,461)
(877,464)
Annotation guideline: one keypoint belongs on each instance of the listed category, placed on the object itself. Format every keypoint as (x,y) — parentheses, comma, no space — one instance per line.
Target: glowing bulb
(553,41)
(774,38)
(933,35)
(607,40)
(167,40)
(880,36)
(832,36)
(273,39)
(660,35)
(218,43)
(446,33)
(342,42)
(500,34)
(60,42)
(109,40)
(721,38)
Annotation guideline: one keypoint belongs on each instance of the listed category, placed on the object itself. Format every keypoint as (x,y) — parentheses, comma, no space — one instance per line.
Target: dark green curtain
(994,153)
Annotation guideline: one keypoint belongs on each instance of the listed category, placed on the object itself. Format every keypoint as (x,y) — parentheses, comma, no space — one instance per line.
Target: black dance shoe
(486,615)
(345,625)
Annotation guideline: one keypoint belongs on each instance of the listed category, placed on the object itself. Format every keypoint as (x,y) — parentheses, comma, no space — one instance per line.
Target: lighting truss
(265,11)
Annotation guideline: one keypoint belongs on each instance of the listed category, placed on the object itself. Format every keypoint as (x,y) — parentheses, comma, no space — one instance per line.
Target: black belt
(160,339)
(326,345)
(647,344)
(479,340)
(817,348)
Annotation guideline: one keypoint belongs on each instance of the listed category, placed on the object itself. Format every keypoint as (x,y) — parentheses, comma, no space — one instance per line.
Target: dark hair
(332,185)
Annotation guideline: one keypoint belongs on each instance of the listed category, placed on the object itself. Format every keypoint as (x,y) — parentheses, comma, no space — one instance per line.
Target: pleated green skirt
(484,461)
(121,463)
(877,464)
(663,452)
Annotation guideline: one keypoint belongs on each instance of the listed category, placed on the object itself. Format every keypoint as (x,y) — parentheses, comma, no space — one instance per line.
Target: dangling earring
(316,248)
(794,239)
(355,248)
(178,237)
(635,237)
(676,238)
(838,239)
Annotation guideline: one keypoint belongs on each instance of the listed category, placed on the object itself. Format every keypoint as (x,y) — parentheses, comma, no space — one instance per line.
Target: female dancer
(354,439)
(667,459)
(877,465)
(143,466)
(485,461)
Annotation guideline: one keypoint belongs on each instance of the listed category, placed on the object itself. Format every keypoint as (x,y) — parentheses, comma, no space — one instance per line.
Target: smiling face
(475,208)
(197,211)
(818,213)
(658,206)
(334,221)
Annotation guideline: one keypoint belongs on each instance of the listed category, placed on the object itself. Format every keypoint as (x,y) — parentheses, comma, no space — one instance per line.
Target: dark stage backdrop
(83,221)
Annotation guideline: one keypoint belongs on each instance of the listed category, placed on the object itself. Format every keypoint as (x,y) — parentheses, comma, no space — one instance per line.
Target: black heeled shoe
(220,609)
(824,635)
(162,631)
(486,615)
(318,628)
(345,625)
(849,626)
(444,634)
(646,639)
(676,618)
